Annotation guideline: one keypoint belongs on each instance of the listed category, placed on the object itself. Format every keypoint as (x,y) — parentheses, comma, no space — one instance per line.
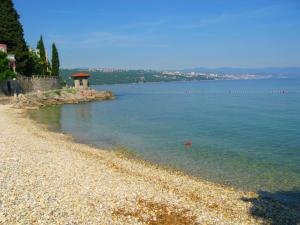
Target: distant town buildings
(106,70)
(179,75)
(11,58)
(211,76)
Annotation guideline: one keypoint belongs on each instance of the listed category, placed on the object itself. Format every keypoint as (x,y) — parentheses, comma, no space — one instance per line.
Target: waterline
(250,141)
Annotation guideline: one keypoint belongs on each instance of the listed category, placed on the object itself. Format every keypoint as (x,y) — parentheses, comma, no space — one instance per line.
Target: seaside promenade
(46,178)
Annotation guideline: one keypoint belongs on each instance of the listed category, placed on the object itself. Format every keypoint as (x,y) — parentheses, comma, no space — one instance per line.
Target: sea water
(244,134)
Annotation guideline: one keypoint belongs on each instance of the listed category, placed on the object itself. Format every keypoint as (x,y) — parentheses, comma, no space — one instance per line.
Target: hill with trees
(125,76)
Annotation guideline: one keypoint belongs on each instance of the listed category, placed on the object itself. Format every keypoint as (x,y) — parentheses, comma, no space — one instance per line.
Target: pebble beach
(48,178)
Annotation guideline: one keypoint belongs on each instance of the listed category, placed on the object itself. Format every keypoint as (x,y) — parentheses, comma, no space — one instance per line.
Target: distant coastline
(123,76)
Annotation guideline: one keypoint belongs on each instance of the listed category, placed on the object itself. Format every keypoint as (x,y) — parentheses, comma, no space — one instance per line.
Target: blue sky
(166,34)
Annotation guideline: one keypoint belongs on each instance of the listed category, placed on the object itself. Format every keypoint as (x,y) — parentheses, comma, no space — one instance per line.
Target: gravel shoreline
(47,178)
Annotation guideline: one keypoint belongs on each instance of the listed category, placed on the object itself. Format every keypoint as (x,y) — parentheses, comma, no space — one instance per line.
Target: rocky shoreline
(57,97)
(47,178)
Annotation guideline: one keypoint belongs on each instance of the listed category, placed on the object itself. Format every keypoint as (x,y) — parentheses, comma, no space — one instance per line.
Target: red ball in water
(188,144)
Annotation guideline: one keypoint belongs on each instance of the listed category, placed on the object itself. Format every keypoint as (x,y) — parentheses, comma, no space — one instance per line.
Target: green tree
(55,61)
(43,59)
(37,67)
(41,47)
(5,71)
(11,34)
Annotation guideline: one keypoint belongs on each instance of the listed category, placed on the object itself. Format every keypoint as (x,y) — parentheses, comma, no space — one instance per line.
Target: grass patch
(70,90)
(46,94)
(57,92)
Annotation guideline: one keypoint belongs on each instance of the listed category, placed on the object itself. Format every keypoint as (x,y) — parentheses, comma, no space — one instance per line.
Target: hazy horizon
(180,69)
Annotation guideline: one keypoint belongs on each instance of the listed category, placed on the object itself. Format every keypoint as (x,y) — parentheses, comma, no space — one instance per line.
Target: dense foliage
(11,34)
(55,61)
(5,71)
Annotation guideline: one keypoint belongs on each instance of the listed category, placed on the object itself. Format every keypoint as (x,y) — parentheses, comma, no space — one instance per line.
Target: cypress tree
(55,61)
(41,47)
(11,34)
(43,58)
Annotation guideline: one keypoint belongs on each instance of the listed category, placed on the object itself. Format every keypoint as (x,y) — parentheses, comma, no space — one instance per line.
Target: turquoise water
(244,133)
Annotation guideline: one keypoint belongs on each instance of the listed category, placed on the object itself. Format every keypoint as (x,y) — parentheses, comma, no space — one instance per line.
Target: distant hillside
(123,77)
(137,76)
(289,71)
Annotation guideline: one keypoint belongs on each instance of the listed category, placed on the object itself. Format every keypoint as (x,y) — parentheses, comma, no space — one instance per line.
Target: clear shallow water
(244,133)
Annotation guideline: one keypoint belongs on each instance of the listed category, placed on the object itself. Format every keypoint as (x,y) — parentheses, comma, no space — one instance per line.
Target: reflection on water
(83,112)
(48,115)
(52,115)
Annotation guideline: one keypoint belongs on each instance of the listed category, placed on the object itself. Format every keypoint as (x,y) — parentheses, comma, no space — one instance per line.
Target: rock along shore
(62,96)
(46,178)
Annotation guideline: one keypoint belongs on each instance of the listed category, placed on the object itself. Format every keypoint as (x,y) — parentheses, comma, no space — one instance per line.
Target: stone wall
(2,84)
(29,84)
